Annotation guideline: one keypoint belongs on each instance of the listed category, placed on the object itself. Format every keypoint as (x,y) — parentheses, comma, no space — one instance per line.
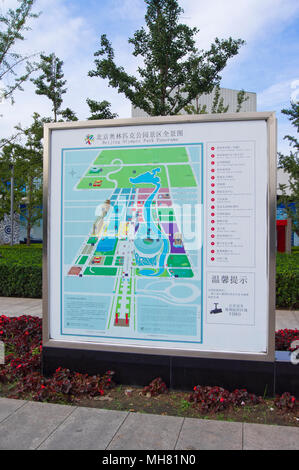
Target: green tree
(100,110)
(68,115)
(51,84)
(15,68)
(174,70)
(290,164)
(27,160)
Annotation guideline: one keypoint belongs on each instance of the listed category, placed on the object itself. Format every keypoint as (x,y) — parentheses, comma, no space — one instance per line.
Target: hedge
(21,271)
(287,280)
(21,274)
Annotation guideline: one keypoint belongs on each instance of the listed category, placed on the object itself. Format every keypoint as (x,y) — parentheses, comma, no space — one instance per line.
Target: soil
(175,403)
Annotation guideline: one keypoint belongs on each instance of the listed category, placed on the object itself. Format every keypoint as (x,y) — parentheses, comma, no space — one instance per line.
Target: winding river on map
(154,239)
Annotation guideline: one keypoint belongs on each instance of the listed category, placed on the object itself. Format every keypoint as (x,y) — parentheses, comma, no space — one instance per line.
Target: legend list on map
(230,203)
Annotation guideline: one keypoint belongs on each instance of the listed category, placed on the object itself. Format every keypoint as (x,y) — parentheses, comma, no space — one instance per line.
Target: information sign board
(159,235)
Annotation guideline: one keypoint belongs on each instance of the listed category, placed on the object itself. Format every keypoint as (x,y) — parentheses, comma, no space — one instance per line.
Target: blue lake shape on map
(151,228)
(106,244)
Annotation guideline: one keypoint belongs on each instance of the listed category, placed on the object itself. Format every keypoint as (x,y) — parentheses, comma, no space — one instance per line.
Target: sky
(267,64)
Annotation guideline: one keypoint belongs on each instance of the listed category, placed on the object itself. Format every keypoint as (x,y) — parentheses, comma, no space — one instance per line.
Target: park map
(132,273)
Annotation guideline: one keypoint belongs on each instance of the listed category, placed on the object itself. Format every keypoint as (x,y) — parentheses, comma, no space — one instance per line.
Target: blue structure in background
(281,215)
(36,235)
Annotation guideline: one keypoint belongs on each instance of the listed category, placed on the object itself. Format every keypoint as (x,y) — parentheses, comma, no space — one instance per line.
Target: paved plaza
(32,425)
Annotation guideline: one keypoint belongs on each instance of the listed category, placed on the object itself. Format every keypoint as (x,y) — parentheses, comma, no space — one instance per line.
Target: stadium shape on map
(135,233)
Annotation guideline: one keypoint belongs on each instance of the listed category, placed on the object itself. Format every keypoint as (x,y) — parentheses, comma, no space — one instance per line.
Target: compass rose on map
(72,173)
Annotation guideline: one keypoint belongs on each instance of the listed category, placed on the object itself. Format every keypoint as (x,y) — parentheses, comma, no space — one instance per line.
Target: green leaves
(174,71)
(100,110)
(287,280)
(50,83)
(26,156)
(12,26)
(21,271)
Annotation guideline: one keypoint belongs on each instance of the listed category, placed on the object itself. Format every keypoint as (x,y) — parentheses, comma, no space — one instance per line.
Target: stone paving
(15,306)
(28,425)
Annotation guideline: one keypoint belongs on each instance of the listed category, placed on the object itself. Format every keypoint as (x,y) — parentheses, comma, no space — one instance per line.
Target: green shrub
(287,280)
(21,254)
(21,271)
(21,274)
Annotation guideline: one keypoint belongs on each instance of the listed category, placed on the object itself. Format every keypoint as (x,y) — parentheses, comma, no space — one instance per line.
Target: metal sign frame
(270,119)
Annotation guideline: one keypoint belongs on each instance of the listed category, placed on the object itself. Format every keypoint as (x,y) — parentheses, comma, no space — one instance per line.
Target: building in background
(230,98)
(283,178)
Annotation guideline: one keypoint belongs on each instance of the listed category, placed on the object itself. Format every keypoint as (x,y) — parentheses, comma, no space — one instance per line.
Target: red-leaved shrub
(284,338)
(156,387)
(214,399)
(22,337)
(286,402)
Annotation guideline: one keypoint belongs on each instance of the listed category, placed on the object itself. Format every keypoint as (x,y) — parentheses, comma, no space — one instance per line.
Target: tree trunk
(28,234)
(29,215)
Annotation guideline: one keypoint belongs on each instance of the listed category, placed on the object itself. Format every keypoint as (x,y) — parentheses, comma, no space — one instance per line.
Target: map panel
(131,242)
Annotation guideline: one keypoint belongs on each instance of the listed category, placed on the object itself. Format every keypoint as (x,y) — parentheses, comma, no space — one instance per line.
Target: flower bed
(22,337)
(284,339)
(21,376)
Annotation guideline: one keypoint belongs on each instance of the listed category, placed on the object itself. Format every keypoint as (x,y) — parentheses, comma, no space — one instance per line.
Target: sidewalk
(16,306)
(33,425)
(12,306)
